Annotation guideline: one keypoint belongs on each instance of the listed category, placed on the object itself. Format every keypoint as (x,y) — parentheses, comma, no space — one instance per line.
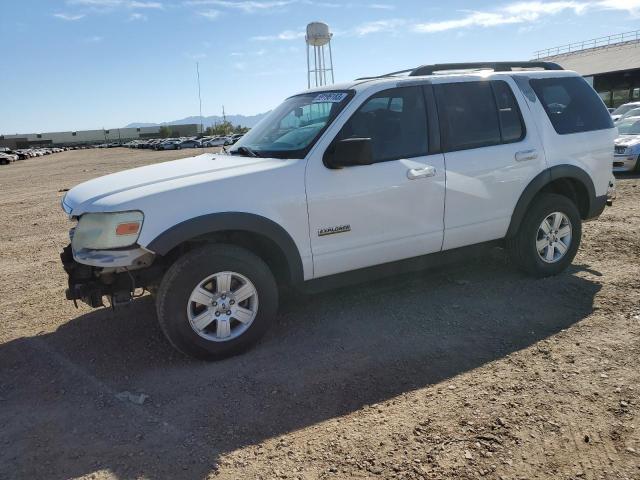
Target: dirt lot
(469,371)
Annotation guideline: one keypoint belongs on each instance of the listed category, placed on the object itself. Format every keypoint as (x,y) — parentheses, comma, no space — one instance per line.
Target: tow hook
(120,298)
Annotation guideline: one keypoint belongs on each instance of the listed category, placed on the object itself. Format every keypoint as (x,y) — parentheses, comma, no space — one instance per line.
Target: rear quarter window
(571,105)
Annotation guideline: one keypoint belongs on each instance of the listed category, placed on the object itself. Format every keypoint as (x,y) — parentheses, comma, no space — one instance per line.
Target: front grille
(618,164)
(620,150)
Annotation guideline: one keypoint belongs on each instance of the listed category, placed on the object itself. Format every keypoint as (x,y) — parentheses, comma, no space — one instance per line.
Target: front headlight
(102,231)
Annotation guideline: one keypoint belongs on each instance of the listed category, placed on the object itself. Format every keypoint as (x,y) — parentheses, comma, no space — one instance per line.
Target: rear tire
(196,304)
(549,236)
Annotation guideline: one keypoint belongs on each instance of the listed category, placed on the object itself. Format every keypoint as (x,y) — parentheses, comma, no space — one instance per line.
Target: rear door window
(469,118)
(511,124)
(571,105)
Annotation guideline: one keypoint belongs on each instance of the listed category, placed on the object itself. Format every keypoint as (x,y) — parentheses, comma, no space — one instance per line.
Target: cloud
(196,56)
(375,6)
(210,14)
(156,5)
(515,13)
(138,17)
(285,35)
(111,4)
(247,6)
(631,6)
(96,3)
(68,16)
(94,39)
(378,26)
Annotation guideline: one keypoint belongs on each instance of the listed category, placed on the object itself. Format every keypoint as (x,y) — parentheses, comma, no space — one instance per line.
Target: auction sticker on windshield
(331,97)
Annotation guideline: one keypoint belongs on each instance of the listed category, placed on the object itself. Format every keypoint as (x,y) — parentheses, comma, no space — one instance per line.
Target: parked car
(622,109)
(634,112)
(191,144)
(7,158)
(218,142)
(172,144)
(16,154)
(234,138)
(342,179)
(627,146)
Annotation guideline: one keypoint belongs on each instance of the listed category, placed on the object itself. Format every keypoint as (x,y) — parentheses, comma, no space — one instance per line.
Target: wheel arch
(275,246)
(568,180)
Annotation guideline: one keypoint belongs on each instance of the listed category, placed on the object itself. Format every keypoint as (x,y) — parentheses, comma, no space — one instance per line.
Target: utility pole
(199,94)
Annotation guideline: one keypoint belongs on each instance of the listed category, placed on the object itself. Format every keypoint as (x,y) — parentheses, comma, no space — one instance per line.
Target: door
(490,157)
(393,209)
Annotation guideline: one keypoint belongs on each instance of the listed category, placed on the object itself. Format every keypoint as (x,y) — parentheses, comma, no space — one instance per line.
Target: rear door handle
(415,173)
(525,155)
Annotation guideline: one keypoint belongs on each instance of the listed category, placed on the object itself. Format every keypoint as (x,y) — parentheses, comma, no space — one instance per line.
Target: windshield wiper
(245,151)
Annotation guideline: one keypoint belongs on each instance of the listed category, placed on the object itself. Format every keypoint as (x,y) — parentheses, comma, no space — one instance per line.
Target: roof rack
(495,66)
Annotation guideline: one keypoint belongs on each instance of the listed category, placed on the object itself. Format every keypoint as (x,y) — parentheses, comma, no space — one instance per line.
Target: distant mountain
(242,120)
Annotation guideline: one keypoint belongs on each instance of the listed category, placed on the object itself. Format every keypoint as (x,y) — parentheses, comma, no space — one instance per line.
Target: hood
(99,194)
(627,140)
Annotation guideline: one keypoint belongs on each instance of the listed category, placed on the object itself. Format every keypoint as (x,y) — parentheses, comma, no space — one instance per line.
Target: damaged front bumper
(114,274)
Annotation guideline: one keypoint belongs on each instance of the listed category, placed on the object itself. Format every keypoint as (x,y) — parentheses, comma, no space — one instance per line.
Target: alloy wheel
(222,306)
(554,237)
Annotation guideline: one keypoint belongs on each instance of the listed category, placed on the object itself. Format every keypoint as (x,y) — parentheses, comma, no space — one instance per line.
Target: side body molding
(546,177)
(236,221)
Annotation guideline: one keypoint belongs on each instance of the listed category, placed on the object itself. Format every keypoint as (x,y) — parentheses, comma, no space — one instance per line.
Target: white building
(94,136)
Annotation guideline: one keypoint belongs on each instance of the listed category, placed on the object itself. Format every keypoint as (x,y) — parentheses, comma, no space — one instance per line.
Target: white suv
(382,171)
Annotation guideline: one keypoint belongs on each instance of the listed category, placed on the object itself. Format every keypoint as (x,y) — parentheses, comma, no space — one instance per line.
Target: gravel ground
(468,371)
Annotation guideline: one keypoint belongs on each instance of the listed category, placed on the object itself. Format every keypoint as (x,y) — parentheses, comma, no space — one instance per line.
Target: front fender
(231,221)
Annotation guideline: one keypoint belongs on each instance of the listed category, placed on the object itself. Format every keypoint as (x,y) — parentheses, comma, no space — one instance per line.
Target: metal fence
(599,42)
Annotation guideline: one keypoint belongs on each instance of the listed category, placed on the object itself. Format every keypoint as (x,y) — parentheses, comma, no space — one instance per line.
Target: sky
(85,64)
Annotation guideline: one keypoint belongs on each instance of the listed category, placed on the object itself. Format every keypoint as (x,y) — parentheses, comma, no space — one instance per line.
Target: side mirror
(349,152)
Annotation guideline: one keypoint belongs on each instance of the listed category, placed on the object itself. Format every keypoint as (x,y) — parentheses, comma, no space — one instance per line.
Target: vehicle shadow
(329,354)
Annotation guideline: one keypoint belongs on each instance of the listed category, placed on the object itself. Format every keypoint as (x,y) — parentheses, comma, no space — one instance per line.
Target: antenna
(199,95)
(318,36)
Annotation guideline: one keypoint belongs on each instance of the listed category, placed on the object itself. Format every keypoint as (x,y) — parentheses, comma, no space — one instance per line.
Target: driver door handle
(415,173)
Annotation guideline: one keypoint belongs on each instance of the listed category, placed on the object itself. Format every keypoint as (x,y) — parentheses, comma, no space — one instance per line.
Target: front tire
(549,236)
(216,301)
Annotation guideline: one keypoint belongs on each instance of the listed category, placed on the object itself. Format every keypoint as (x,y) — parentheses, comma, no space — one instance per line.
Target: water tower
(318,36)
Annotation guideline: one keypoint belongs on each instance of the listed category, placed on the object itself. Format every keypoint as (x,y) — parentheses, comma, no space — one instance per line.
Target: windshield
(290,130)
(622,109)
(629,128)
